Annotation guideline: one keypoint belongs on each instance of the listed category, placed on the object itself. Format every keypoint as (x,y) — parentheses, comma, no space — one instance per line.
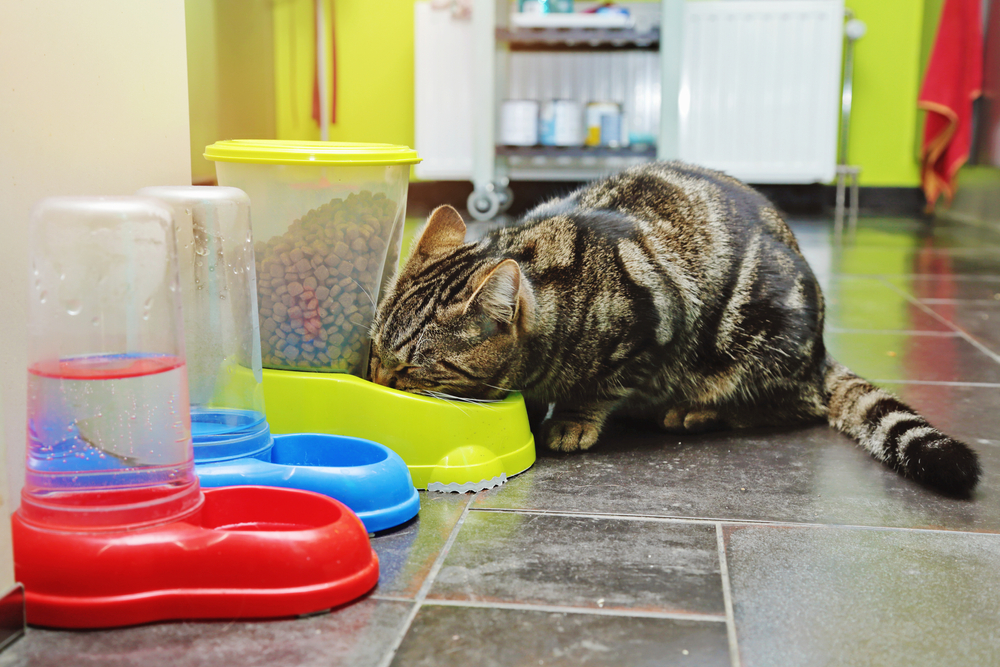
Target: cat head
(455,319)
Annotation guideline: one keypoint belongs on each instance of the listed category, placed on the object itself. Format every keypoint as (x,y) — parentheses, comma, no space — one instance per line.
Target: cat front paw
(689,420)
(571,436)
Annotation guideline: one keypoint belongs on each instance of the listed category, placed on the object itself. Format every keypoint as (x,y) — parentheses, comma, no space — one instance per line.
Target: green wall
(230,75)
(374,51)
(886,83)
(375,70)
(375,84)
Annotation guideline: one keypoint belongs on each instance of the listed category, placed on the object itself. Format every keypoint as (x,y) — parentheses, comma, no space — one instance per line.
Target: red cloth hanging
(953,80)
(333,73)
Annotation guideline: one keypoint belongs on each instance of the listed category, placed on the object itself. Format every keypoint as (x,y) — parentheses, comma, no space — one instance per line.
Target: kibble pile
(317,282)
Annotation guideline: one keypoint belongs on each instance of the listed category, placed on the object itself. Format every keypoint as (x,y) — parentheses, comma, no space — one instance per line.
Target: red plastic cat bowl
(246,552)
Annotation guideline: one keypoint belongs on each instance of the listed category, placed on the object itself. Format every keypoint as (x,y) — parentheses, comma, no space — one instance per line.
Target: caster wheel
(484,204)
(506,198)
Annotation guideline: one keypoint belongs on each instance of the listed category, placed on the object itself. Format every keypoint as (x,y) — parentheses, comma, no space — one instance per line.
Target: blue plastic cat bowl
(368,477)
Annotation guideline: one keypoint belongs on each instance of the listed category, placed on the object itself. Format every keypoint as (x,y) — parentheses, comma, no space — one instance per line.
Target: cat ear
(444,230)
(499,293)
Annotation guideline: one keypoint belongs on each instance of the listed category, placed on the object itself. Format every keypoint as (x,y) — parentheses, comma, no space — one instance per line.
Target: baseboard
(819,199)
(813,199)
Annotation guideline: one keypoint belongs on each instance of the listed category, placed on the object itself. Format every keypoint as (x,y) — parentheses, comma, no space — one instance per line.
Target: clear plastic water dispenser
(221,330)
(109,435)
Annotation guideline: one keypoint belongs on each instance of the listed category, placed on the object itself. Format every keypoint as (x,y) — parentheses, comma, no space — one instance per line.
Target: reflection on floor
(777,547)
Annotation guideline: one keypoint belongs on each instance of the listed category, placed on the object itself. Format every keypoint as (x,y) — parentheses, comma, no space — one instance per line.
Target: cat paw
(569,436)
(673,421)
(697,420)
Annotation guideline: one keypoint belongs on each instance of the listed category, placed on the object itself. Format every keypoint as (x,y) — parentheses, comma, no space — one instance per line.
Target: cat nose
(386,379)
(380,375)
(375,370)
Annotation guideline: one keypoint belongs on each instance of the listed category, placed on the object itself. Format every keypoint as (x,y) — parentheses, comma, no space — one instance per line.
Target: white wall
(93,101)
(6,551)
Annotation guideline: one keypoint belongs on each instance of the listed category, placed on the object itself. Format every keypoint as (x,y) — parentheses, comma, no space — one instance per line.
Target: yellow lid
(275,151)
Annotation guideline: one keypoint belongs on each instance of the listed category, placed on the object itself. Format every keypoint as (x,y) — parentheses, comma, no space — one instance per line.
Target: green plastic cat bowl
(447,445)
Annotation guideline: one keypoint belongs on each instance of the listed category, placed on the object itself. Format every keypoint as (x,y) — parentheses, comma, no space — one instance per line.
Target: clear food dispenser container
(218,288)
(328,225)
(109,438)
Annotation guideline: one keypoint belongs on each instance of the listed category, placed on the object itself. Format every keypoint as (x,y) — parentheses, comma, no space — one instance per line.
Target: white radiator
(443,71)
(760,86)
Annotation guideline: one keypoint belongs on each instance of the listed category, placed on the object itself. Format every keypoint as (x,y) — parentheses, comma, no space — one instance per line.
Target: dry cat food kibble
(317,282)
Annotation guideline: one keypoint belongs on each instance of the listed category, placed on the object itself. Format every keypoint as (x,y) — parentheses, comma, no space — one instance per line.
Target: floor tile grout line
(425,588)
(961,332)
(597,515)
(971,223)
(971,277)
(564,609)
(727,598)
(960,302)
(711,521)
(940,383)
(893,332)
(439,561)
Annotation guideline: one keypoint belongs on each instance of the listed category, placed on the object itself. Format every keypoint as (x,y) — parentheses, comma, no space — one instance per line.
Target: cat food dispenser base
(442,442)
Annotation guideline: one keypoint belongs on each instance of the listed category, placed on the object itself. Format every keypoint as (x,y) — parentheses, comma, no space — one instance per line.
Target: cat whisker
(482,402)
(447,398)
(499,388)
(416,346)
(374,306)
(467,399)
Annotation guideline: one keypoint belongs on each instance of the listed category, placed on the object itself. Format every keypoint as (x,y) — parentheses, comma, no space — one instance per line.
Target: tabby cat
(667,292)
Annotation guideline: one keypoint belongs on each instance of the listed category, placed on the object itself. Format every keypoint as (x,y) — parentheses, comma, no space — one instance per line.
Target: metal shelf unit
(575,38)
(492,40)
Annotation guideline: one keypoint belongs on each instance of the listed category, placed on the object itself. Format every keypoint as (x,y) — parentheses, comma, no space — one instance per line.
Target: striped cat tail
(897,435)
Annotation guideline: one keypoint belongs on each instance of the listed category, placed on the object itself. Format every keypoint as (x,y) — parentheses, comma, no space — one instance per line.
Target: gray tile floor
(777,547)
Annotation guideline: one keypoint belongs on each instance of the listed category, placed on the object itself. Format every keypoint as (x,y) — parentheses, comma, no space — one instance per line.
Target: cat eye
(487,326)
(454,369)
(387,360)
(479,328)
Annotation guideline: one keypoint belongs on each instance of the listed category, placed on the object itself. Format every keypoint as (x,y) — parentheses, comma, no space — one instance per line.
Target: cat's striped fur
(667,292)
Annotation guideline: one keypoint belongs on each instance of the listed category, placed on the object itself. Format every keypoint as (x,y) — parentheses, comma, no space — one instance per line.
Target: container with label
(561,122)
(604,121)
(545,6)
(519,123)
(611,130)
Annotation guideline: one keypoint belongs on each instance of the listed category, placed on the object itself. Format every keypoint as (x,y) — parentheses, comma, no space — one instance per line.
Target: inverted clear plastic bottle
(109,434)
(221,329)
